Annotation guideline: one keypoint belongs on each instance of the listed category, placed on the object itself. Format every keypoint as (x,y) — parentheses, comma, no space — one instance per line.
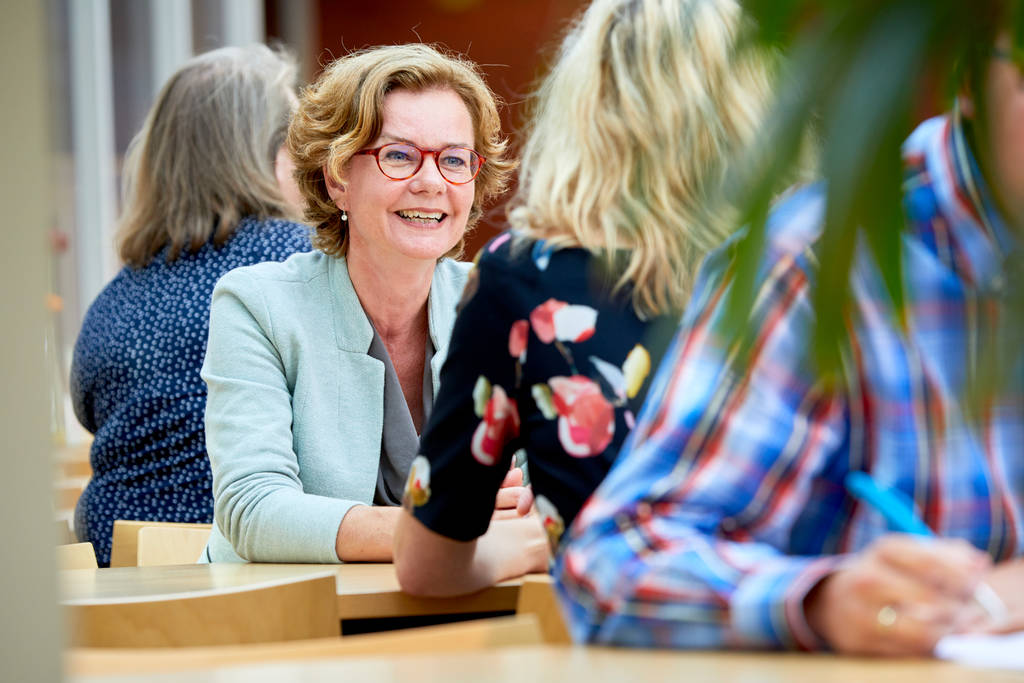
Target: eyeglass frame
(375,153)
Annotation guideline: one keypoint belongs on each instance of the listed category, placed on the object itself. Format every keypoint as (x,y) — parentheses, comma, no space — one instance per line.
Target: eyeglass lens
(399,161)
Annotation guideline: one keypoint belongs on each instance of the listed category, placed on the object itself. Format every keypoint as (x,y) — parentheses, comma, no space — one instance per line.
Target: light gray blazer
(295,408)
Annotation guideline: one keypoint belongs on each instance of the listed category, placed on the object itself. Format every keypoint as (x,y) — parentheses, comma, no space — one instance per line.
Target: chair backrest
(76,556)
(269,612)
(537,596)
(67,491)
(124,547)
(158,545)
(480,634)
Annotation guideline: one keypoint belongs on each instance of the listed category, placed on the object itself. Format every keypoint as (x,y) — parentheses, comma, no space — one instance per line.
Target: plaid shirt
(727,503)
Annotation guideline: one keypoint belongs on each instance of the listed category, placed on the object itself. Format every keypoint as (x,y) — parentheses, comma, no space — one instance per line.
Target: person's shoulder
(792,230)
(450,276)
(455,269)
(299,268)
(796,220)
(515,252)
(274,231)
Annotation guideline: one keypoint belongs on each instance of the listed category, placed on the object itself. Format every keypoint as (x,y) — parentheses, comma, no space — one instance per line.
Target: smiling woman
(322,370)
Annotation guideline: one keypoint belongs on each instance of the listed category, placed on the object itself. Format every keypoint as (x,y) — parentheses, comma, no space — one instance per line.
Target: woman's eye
(397,156)
(454,162)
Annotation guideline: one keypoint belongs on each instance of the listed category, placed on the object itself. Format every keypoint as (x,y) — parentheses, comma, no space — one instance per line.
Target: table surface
(554,664)
(364,590)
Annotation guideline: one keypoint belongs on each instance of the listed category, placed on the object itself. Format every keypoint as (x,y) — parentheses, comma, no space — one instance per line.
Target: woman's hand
(897,596)
(514,499)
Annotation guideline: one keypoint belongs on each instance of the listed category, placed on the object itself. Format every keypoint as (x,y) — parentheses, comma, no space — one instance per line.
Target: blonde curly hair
(633,131)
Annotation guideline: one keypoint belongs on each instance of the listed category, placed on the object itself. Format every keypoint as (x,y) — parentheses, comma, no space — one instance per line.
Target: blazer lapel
(352,329)
(445,290)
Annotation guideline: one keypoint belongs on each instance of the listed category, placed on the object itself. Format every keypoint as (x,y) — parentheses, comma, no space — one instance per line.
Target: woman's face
(422,217)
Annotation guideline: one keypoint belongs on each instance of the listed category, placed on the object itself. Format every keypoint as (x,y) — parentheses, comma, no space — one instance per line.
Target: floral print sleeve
(543,357)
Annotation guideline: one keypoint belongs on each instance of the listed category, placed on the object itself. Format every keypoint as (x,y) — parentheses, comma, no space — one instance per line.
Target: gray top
(399,441)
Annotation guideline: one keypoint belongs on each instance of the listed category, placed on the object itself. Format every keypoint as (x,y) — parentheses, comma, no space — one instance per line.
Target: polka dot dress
(135,383)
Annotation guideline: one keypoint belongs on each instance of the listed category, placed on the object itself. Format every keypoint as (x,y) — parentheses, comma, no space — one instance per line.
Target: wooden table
(364,590)
(553,664)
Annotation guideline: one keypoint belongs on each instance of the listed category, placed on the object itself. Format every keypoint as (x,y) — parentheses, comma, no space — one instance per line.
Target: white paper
(994,652)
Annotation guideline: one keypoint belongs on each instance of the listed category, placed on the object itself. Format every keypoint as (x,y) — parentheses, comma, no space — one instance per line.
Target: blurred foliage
(858,70)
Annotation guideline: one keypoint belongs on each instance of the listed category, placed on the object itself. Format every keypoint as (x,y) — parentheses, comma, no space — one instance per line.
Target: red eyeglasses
(400,160)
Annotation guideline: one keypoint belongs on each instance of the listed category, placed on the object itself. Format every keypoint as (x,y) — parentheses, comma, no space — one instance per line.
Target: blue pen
(898,511)
(892,504)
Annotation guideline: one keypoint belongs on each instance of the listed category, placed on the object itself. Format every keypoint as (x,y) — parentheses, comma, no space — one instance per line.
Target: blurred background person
(207,187)
(734,517)
(619,196)
(322,370)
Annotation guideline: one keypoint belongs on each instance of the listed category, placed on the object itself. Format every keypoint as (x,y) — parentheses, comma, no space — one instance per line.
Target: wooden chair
(67,491)
(483,634)
(537,597)
(73,461)
(124,549)
(270,612)
(76,556)
(163,545)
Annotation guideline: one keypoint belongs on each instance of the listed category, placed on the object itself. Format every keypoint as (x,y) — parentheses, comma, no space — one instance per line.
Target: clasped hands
(903,593)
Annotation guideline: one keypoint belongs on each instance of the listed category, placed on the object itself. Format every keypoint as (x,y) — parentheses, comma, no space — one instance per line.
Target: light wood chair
(73,461)
(124,549)
(76,556)
(163,545)
(482,634)
(537,597)
(271,612)
(67,491)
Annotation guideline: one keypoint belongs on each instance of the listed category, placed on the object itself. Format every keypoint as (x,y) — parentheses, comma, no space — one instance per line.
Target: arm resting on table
(432,565)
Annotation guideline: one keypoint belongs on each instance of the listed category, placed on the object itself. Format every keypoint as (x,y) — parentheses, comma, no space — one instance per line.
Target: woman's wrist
(366,534)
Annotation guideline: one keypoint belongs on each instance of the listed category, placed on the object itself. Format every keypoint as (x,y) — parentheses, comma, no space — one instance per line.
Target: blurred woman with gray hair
(207,188)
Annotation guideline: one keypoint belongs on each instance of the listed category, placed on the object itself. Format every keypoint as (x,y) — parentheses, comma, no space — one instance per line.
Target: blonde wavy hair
(204,158)
(632,134)
(341,113)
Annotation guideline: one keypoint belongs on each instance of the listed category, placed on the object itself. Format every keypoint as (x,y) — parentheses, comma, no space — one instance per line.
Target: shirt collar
(983,238)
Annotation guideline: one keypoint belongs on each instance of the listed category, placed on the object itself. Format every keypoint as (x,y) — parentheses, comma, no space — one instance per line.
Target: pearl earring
(344,216)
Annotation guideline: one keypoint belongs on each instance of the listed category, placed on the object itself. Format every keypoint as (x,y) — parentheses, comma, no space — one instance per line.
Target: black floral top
(544,358)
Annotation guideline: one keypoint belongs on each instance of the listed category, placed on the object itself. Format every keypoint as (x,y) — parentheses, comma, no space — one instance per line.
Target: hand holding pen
(899,595)
(898,512)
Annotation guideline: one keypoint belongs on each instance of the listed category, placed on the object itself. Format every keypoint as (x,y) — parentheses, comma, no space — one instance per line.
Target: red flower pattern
(517,339)
(499,425)
(556,319)
(586,421)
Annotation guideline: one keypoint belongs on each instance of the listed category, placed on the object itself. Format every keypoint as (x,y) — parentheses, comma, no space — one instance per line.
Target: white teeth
(421,215)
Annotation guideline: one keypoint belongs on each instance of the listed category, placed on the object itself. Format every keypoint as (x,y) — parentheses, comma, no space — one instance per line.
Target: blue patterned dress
(135,382)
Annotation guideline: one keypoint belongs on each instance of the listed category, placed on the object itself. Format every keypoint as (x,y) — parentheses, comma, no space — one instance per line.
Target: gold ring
(887,617)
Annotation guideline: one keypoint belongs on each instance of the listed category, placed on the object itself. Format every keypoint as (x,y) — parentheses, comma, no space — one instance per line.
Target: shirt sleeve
(259,502)
(473,430)
(683,544)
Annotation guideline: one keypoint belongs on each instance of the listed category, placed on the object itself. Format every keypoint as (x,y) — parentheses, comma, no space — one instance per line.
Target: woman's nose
(428,178)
